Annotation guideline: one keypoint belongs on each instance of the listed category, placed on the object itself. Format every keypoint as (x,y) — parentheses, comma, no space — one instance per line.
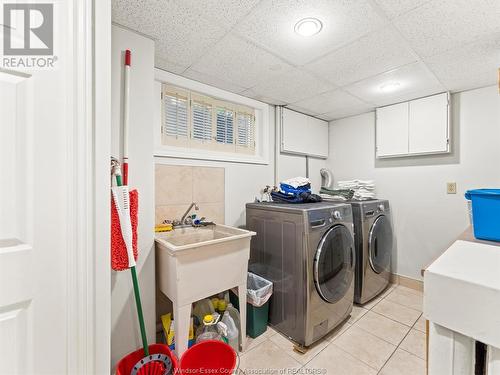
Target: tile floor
(386,336)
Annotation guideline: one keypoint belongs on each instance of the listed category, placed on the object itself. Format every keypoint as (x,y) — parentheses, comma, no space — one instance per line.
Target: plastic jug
(232,331)
(235,314)
(201,309)
(209,331)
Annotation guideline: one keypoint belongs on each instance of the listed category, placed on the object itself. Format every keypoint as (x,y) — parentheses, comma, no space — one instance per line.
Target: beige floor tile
(407,298)
(397,312)
(288,345)
(410,290)
(414,343)
(252,343)
(383,327)
(405,363)
(357,312)
(366,347)
(269,357)
(337,331)
(334,361)
(269,332)
(420,324)
(370,304)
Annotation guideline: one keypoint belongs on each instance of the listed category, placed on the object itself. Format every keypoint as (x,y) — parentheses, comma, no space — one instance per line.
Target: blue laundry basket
(485,213)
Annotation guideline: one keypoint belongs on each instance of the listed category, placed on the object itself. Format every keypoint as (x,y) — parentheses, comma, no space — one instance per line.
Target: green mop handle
(137,295)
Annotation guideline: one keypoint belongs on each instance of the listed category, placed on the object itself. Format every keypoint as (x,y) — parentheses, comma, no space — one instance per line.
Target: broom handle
(126,101)
(138,304)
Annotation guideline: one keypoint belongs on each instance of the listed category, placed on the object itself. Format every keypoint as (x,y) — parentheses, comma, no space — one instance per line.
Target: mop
(124,221)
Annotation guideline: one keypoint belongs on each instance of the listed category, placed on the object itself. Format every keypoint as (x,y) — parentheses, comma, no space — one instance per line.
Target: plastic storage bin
(259,290)
(485,213)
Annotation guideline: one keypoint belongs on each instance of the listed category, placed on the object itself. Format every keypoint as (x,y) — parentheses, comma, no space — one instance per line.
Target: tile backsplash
(178,185)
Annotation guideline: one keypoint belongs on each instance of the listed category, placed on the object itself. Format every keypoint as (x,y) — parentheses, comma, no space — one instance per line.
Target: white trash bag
(259,290)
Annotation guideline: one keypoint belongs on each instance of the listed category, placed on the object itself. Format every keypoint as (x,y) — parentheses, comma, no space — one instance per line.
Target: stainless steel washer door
(380,244)
(334,264)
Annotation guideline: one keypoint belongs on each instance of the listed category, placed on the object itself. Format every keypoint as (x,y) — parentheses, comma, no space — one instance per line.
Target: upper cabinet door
(392,130)
(303,135)
(429,125)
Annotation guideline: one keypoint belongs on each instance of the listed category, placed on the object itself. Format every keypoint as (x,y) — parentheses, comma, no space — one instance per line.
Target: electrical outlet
(451,188)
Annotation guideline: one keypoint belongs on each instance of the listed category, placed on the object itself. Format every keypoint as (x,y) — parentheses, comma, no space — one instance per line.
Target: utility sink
(196,263)
(194,237)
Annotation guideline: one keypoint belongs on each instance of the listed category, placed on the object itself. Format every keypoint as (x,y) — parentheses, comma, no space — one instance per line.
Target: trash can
(259,290)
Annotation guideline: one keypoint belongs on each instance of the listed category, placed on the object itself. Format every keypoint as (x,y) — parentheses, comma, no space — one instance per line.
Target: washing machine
(373,240)
(307,251)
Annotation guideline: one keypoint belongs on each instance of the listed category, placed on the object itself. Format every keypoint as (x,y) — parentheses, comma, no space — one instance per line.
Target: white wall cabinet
(416,127)
(303,135)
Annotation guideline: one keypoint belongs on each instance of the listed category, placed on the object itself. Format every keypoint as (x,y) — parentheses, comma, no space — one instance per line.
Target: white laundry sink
(196,263)
(462,291)
(190,237)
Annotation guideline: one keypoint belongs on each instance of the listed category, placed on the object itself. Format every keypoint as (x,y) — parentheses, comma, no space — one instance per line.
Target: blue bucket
(485,213)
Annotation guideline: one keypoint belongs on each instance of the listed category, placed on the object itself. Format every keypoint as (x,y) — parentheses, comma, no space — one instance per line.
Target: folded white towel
(297,181)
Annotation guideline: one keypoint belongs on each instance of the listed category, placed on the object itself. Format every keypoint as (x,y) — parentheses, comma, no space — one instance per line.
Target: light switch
(451,188)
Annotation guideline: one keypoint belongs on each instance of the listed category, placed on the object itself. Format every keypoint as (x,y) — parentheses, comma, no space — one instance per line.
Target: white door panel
(392,130)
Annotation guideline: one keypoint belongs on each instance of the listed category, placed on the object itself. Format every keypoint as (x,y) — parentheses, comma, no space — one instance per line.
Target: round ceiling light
(308,26)
(390,86)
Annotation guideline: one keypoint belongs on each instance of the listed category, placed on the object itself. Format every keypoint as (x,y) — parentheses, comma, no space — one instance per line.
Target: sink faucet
(188,210)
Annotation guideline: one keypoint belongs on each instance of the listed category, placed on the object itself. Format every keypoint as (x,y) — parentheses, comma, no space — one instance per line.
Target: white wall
(426,219)
(125,328)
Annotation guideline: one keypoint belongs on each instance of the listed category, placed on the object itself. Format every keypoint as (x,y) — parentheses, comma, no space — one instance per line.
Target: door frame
(89,151)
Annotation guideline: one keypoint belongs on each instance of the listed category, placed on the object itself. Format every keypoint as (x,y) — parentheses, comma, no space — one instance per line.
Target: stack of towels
(333,195)
(295,190)
(363,189)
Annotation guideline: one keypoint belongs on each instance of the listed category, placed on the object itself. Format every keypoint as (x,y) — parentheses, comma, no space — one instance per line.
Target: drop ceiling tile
(252,94)
(372,54)
(292,85)
(394,8)
(271,25)
(240,62)
(471,66)
(330,101)
(169,66)
(441,25)
(209,80)
(224,12)
(347,112)
(415,81)
(182,34)
(306,111)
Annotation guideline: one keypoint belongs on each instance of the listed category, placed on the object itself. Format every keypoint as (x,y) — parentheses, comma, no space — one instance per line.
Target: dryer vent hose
(326,178)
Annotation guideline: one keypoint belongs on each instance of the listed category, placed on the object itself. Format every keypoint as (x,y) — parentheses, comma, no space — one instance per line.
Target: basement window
(196,121)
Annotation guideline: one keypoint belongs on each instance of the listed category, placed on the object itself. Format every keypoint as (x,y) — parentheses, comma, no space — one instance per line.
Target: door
(380,244)
(334,264)
(37,210)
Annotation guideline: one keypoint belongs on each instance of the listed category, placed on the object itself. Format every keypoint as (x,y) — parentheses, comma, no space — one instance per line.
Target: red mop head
(119,258)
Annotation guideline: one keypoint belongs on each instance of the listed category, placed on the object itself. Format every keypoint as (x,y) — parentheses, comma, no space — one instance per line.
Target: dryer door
(334,264)
(380,244)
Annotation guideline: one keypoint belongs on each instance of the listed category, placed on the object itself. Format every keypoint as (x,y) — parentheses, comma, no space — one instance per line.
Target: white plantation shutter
(202,120)
(176,115)
(197,121)
(224,126)
(246,125)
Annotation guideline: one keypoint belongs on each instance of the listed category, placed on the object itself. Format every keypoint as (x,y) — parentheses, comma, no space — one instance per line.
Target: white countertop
(462,290)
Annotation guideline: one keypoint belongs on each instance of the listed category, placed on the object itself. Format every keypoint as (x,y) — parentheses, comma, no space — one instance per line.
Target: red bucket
(127,363)
(208,357)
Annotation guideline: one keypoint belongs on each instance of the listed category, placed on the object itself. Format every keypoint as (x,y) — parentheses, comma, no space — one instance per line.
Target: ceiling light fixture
(389,86)
(308,26)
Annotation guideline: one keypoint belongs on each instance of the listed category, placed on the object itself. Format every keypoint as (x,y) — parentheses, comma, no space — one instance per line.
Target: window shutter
(246,125)
(202,120)
(176,119)
(225,126)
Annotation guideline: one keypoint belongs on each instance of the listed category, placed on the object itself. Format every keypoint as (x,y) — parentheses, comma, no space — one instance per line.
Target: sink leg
(182,317)
(242,297)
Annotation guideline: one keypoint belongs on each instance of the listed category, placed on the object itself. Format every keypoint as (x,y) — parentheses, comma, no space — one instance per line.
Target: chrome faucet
(187,212)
